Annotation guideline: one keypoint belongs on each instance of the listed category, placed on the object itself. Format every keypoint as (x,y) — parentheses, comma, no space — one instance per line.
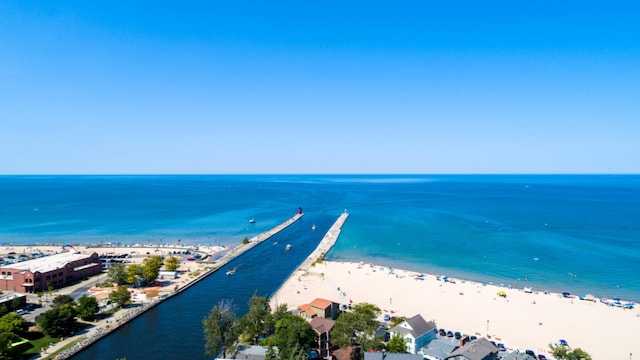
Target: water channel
(173,329)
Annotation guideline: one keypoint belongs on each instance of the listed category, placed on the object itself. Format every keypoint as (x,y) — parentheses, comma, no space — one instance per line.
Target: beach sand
(520,320)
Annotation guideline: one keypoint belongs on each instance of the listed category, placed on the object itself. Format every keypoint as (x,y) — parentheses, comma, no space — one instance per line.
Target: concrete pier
(327,241)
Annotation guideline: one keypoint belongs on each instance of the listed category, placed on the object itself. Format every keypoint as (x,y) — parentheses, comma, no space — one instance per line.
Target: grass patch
(39,341)
(319,260)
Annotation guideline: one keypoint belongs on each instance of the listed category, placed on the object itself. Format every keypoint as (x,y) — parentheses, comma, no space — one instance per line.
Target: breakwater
(327,241)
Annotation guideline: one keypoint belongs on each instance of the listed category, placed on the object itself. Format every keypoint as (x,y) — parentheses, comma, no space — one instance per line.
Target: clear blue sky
(106,87)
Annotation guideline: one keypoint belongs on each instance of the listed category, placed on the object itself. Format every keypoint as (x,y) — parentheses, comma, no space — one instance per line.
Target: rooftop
(48,263)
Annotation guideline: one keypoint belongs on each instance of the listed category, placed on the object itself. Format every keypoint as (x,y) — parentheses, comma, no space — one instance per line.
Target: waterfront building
(323,328)
(416,332)
(319,307)
(57,270)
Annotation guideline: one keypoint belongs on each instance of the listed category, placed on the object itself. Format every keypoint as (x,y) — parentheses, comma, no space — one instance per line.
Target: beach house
(323,308)
(416,332)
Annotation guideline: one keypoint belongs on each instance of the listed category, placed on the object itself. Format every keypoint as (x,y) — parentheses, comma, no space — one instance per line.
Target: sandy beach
(520,320)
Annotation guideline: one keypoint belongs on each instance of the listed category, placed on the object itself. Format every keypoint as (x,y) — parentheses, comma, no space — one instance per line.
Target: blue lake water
(558,232)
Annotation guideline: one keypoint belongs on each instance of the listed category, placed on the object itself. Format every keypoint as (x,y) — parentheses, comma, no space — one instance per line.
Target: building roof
(379,355)
(477,349)
(417,326)
(440,348)
(306,308)
(251,352)
(48,263)
(517,356)
(321,325)
(321,303)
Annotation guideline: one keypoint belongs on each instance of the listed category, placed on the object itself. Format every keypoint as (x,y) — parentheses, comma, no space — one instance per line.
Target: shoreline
(521,320)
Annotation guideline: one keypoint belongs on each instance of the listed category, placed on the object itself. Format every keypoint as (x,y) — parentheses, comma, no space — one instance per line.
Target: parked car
(442,332)
(501,347)
(21,312)
(457,335)
(473,337)
(530,353)
(449,334)
(541,357)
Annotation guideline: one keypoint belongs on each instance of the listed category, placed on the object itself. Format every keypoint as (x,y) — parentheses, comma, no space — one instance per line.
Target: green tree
(566,353)
(397,344)
(296,353)
(58,321)
(151,268)
(6,353)
(62,300)
(245,240)
(220,329)
(255,321)
(13,323)
(358,327)
(121,296)
(272,319)
(292,331)
(118,274)
(270,354)
(172,263)
(87,307)
(3,310)
(16,303)
(134,273)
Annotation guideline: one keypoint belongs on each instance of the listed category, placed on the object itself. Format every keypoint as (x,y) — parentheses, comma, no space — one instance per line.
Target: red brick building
(57,270)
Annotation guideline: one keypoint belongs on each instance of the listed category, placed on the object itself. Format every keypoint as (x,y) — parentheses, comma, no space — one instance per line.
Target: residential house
(516,355)
(323,308)
(439,349)
(416,332)
(479,349)
(323,328)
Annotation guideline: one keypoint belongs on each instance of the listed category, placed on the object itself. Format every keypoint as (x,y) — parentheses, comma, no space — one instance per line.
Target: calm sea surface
(564,233)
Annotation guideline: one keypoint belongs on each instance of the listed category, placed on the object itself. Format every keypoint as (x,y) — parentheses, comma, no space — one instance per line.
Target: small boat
(288,247)
(313,227)
(231,272)
(252,221)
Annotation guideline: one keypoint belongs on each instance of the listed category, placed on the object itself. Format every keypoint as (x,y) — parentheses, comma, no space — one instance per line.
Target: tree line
(287,336)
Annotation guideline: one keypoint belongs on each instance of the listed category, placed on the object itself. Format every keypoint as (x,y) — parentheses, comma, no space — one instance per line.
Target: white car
(22,312)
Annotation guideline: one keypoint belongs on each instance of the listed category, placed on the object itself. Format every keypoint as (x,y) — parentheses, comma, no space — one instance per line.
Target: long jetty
(100,332)
(327,241)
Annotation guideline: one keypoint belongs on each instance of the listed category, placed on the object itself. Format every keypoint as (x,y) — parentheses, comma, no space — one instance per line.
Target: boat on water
(288,247)
(252,221)
(313,227)
(231,271)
